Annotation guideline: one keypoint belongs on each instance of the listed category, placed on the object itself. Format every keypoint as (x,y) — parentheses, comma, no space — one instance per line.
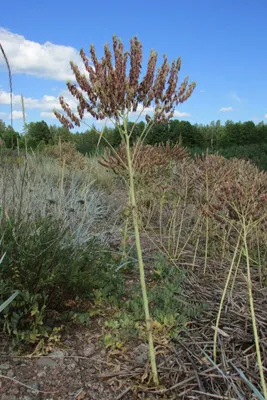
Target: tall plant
(113,89)
(240,202)
(10,87)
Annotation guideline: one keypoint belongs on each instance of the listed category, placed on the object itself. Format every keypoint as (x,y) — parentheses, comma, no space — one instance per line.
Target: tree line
(247,138)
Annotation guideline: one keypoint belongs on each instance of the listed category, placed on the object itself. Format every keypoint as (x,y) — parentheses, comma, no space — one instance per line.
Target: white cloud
(2,114)
(225,109)
(150,110)
(235,97)
(47,60)
(46,103)
(47,114)
(265,116)
(16,114)
(140,111)
(179,114)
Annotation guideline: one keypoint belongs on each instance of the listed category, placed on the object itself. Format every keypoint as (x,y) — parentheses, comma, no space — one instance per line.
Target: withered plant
(241,202)
(148,160)
(175,217)
(112,89)
(10,88)
(211,171)
(66,153)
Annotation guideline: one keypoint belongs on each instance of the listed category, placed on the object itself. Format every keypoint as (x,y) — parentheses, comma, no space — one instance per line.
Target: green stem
(222,300)
(259,255)
(206,244)
(125,232)
(235,275)
(140,262)
(207,225)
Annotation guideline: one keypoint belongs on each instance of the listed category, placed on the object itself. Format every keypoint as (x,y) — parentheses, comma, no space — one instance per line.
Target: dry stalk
(10,86)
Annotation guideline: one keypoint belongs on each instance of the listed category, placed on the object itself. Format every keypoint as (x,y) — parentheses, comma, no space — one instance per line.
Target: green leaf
(8,301)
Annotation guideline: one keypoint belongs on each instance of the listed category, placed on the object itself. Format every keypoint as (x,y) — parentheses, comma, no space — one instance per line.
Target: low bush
(49,271)
(256,153)
(170,309)
(66,152)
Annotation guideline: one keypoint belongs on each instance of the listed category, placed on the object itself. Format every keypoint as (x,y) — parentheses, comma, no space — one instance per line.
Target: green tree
(136,130)
(39,132)
(232,134)
(188,133)
(115,138)
(248,133)
(2,127)
(204,134)
(159,133)
(261,132)
(60,132)
(10,137)
(87,141)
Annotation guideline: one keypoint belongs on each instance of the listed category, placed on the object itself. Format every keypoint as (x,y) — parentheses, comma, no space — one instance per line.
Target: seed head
(110,87)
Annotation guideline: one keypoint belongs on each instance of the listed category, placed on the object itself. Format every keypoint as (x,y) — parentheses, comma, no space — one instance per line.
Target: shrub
(49,271)
(171,310)
(148,160)
(66,152)
(255,153)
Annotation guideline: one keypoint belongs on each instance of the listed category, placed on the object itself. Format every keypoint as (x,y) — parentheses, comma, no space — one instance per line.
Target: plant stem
(61,188)
(252,312)
(206,244)
(259,255)
(222,300)
(140,260)
(207,225)
(125,232)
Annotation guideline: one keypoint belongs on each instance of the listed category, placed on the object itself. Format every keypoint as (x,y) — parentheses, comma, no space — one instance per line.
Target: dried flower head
(67,153)
(242,195)
(110,88)
(148,160)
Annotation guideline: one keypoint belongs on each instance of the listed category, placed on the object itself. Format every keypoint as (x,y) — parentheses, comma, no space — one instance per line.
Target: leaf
(33,336)
(2,258)
(34,310)
(8,301)
(252,387)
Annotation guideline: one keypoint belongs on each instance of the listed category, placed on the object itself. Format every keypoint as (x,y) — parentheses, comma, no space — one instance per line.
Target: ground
(82,365)
(82,369)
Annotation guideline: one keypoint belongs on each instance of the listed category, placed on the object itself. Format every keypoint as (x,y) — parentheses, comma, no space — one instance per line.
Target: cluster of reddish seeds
(146,158)
(109,91)
(244,201)
(67,153)
(211,172)
(237,190)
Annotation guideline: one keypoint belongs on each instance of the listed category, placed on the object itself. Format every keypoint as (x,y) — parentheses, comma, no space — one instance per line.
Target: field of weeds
(68,251)
(140,274)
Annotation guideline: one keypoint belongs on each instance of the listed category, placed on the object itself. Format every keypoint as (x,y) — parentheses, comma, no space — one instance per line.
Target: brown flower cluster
(67,153)
(146,159)
(242,195)
(211,171)
(113,86)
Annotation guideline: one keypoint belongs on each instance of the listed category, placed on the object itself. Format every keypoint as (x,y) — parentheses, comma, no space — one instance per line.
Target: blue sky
(222,45)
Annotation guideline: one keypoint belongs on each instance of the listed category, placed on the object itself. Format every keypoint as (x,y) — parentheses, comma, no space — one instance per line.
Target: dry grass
(37,187)
(173,219)
(67,154)
(221,194)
